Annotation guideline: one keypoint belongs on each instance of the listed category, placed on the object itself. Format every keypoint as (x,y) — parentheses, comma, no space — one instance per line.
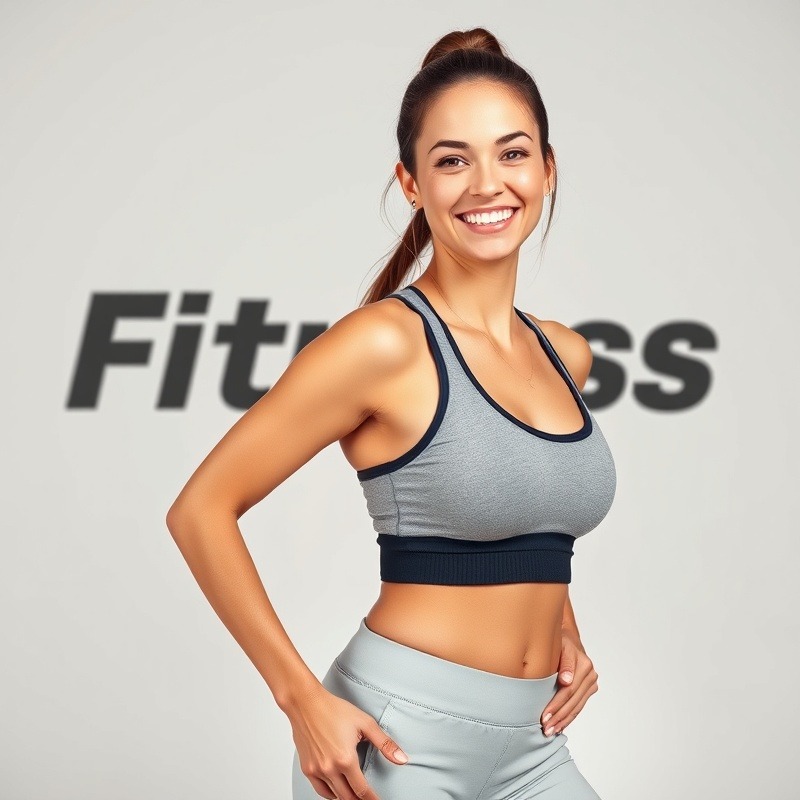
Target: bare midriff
(511,629)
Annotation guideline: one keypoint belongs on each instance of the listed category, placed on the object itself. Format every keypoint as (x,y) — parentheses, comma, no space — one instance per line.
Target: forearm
(220,562)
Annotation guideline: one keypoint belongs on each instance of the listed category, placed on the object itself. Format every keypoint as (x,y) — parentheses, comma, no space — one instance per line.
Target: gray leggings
(468,734)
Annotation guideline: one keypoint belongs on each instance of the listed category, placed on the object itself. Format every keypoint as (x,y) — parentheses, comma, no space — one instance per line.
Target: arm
(576,353)
(576,670)
(577,356)
(569,626)
(329,388)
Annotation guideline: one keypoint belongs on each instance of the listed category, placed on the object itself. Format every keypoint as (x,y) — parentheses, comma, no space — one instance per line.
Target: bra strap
(433,331)
(564,371)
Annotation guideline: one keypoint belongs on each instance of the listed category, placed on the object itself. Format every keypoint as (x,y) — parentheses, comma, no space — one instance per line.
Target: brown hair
(457,56)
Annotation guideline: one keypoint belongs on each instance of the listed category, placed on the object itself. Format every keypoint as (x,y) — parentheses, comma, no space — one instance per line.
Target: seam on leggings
(545,774)
(372,749)
(494,767)
(431,708)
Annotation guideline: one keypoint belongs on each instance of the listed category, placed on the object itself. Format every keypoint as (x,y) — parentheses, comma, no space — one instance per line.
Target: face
(478,149)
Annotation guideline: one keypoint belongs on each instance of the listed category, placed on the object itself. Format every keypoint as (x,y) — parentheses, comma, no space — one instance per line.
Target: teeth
(488,218)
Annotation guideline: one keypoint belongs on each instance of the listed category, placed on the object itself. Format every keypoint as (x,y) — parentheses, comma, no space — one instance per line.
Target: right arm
(328,389)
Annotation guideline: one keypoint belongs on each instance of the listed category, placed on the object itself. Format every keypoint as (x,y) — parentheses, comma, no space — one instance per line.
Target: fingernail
(567,676)
(400,756)
(547,716)
(549,731)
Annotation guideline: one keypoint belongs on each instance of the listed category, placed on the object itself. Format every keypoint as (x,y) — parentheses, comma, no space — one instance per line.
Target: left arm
(576,673)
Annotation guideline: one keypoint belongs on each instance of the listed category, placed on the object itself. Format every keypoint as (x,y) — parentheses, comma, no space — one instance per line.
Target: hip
(466,731)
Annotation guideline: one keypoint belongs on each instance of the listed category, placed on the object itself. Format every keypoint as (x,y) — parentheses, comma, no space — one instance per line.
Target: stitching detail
(396,505)
(494,767)
(372,750)
(424,705)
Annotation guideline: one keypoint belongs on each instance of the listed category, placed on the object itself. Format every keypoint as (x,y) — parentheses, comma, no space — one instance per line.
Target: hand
(578,677)
(326,730)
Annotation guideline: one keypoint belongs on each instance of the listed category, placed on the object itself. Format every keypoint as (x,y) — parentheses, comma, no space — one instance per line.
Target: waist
(530,557)
(512,629)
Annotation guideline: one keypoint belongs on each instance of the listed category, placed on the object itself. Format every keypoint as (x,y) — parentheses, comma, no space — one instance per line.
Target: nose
(485,181)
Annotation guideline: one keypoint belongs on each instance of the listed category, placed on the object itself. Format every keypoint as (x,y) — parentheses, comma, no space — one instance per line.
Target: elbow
(176,519)
(187,516)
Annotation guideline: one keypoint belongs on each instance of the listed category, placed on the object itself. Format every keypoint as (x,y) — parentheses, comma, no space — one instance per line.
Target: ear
(550,171)
(407,183)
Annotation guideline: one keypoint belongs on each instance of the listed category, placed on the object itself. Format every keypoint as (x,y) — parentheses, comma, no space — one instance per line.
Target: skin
(377,403)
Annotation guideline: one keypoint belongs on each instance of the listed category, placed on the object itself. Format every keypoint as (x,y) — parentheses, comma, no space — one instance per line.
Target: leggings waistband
(397,669)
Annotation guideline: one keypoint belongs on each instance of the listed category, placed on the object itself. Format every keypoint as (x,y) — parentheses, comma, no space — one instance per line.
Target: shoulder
(381,336)
(339,378)
(572,348)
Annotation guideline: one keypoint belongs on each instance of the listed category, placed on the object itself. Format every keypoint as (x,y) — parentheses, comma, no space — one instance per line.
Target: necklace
(489,338)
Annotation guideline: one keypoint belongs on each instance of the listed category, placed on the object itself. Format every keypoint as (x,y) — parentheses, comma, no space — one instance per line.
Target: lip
(490,228)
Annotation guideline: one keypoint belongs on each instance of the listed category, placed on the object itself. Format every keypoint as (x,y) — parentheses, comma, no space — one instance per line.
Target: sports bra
(484,497)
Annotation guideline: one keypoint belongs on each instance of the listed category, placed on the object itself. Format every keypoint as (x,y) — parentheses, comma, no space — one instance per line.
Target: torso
(512,629)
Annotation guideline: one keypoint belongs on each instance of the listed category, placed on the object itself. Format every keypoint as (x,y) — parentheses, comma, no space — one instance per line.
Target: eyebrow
(464,146)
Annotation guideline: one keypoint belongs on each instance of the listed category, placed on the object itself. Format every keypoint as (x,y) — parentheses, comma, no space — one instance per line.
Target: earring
(413,205)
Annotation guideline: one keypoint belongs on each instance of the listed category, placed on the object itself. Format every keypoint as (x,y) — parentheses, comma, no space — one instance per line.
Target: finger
(342,787)
(574,704)
(322,788)
(554,724)
(556,702)
(574,713)
(565,676)
(583,672)
(358,784)
(386,745)
(568,663)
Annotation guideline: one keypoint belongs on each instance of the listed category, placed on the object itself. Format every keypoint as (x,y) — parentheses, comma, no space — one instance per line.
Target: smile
(488,222)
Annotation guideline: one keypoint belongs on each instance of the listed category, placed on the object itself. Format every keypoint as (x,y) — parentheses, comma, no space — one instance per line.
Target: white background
(241,148)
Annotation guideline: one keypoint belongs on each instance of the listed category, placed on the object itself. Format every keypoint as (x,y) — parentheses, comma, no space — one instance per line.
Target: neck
(483,301)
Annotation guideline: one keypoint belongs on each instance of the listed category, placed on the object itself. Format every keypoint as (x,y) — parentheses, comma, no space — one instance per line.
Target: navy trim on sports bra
(582,433)
(444,394)
(539,557)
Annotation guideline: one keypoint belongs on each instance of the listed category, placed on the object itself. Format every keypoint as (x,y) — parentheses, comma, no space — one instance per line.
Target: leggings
(468,734)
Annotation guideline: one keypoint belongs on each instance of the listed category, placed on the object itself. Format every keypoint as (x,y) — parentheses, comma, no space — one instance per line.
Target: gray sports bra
(484,497)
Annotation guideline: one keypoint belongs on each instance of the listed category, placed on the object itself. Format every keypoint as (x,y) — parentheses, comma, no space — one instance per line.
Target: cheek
(440,199)
(443,195)
(528,183)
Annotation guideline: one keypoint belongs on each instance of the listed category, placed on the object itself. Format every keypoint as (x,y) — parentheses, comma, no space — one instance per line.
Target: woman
(480,464)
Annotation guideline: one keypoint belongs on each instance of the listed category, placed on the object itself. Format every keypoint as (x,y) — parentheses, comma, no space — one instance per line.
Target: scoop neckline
(581,433)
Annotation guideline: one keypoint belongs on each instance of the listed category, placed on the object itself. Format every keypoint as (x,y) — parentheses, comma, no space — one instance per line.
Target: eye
(524,154)
(443,162)
(448,161)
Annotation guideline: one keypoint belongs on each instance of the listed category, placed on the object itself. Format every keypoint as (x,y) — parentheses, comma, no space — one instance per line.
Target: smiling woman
(480,463)
(477,494)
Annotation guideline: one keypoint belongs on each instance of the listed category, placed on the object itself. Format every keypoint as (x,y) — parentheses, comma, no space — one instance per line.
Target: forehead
(477,112)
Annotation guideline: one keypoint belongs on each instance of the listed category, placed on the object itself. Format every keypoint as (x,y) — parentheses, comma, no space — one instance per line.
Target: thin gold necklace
(489,338)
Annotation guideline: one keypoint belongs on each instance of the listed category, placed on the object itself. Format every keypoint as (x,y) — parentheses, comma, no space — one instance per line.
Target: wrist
(570,630)
(296,695)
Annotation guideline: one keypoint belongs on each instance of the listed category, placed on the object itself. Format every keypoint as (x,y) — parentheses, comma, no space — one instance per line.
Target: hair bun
(473,39)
